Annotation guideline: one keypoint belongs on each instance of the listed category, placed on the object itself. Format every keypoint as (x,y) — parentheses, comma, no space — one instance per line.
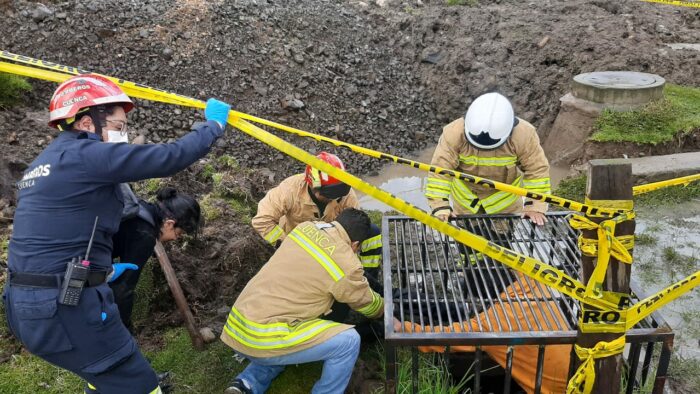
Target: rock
(167,53)
(299,58)
(143,33)
(139,140)
(41,12)
(12,138)
(543,42)
(61,15)
(431,56)
(292,103)
(40,142)
(207,334)
(662,30)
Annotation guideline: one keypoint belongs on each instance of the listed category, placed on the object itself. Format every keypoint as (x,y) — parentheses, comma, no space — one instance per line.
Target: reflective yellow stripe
(300,334)
(499,201)
(437,188)
(373,307)
(371,261)
(318,254)
(463,196)
(488,161)
(540,185)
(156,391)
(372,243)
(505,200)
(259,329)
(274,234)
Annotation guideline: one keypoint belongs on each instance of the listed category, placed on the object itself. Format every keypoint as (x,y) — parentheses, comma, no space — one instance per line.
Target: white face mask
(117,136)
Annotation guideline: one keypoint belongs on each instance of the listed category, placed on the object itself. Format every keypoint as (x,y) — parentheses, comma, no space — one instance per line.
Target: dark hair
(99,111)
(356,223)
(181,208)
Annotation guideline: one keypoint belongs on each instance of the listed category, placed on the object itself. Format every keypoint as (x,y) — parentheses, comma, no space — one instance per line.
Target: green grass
(4,244)
(574,188)
(685,372)
(679,263)
(433,374)
(658,122)
(12,89)
(144,294)
(208,371)
(645,239)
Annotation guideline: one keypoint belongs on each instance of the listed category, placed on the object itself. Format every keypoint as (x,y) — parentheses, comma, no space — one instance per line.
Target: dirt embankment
(385,77)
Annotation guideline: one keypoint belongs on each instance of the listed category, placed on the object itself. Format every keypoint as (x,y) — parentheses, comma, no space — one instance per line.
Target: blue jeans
(338,353)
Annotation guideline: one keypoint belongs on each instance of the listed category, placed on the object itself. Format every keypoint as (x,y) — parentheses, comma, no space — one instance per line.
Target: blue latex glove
(119,268)
(217,111)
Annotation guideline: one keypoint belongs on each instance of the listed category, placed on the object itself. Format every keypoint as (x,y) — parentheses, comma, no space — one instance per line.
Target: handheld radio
(76,275)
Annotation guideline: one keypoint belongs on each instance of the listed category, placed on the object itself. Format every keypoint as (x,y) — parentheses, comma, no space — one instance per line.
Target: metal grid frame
(429,272)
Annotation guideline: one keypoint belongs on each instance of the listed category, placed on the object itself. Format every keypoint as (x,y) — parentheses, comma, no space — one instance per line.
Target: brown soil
(609,150)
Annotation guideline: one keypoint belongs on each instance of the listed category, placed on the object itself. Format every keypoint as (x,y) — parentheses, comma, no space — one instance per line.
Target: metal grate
(434,282)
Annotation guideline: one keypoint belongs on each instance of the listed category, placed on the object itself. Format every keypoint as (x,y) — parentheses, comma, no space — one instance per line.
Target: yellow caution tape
(131,89)
(537,270)
(626,205)
(608,245)
(597,321)
(677,3)
(583,379)
(645,307)
(685,181)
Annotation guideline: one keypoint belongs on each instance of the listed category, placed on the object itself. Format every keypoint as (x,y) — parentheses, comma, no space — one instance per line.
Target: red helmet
(329,186)
(84,91)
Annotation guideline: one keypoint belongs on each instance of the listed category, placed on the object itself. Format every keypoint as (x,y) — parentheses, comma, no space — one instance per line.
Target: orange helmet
(328,186)
(81,92)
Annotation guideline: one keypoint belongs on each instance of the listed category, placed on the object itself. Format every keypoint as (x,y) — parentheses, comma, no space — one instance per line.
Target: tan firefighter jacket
(519,162)
(280,310)
(289,204)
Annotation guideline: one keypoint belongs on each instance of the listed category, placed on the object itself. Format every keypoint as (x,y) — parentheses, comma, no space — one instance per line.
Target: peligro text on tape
(597,321)
(537,270)
(174,98)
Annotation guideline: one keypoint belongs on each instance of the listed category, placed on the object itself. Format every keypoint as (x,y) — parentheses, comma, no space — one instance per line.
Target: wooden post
(179,296)
(608,180)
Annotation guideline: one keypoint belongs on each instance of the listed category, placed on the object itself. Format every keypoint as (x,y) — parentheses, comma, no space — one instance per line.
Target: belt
(54,281)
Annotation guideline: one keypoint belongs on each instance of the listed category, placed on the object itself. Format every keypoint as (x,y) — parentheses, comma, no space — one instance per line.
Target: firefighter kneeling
(277,319)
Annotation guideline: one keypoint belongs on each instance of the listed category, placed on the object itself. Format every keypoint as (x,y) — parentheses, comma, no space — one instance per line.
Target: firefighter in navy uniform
(71,183)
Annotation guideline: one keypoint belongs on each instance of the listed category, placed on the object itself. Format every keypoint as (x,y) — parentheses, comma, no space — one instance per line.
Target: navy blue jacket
(75,179)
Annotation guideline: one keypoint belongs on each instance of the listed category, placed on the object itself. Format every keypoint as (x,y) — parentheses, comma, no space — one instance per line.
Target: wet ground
(666,251)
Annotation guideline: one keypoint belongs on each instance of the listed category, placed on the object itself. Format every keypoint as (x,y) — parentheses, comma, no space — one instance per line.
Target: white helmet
(489,121)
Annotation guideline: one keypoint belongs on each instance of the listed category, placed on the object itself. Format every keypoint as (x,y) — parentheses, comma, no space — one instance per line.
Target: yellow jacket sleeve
(439,187)
(535,167)
(271,209)
(353,289)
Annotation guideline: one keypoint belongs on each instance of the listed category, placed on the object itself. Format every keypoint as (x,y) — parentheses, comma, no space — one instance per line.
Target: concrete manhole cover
(618,87)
